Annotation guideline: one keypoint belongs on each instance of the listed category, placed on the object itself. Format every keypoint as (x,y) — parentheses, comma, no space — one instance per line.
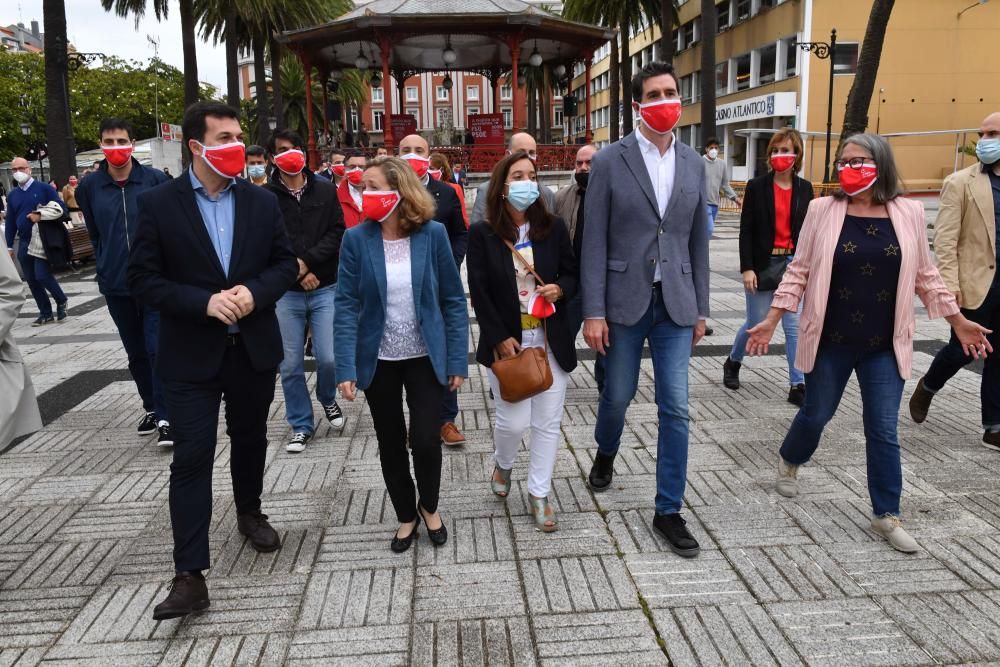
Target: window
(473,111)
(767,4)
(472,92)
(696,86)
(791,57)
(442,94)
(768,63)
(505,92)
(377,121)
(377,96)
(557,116)
(687,34)
(742,71)
(845,60)
(686,93)
(415,113)
(508,118)
(742,10)
(411,94)
(722,78)
(443,116)
(354,120)
(722,10)
(677,41)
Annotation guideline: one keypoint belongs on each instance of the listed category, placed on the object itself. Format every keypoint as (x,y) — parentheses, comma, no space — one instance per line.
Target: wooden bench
(82,248)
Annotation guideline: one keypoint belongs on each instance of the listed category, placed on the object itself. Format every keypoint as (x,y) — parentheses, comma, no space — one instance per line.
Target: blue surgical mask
(257,171)
(988,151)
(522,194)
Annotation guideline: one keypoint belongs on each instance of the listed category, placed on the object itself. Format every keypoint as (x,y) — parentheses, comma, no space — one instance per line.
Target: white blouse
(401,338)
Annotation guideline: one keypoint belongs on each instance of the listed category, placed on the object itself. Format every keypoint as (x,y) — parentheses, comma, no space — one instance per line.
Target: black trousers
(951,358)
(423,397)
(194,417)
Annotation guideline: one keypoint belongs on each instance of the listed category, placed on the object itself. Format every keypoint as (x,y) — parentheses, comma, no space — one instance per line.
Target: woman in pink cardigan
(862,254)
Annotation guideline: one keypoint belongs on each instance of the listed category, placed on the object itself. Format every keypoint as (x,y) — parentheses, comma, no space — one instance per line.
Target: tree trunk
(709,24)
(626,68)
(860,97)
(58,125)
(530,93)
(191,92)
(279,98)
(232,58)
(260,86)
(667,43)
(614,92)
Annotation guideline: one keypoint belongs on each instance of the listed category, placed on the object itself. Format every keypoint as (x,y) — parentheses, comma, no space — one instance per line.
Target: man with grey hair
(519,141)
(966,238)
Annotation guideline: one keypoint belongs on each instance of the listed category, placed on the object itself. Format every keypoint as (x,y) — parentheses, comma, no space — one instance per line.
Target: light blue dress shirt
(219,216)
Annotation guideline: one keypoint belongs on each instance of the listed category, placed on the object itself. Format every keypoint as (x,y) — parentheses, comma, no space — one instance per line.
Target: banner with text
(403,125)
(487,128)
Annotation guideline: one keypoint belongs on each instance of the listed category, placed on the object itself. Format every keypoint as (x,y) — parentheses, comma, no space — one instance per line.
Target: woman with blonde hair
(400,323)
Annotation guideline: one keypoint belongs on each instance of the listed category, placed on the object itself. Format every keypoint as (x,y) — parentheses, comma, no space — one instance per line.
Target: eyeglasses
(855,162)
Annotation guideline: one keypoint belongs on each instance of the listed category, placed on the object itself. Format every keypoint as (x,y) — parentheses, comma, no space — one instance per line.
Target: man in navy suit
(211,255)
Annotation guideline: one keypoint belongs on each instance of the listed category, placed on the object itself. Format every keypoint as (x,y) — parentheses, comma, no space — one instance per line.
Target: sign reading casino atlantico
(765,106)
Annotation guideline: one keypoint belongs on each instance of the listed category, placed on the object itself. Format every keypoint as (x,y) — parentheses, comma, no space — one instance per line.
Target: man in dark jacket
(107,199)
(315,225)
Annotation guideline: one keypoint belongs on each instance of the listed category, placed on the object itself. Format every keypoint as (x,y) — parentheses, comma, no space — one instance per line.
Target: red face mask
(226,160)
(117,156)
(856,181)
(355,175)
(291,162)
(419,163)
(782,161)
(379,204)
(338,170)
(435,174)
(660,116)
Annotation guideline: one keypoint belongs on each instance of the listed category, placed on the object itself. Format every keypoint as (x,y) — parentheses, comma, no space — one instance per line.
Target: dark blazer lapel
(632,155)
(240,226)
(376,255)
(507,261)
(420,245)
(186,195)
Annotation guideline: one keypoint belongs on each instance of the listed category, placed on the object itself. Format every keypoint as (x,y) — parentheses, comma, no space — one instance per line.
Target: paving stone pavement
(85,553)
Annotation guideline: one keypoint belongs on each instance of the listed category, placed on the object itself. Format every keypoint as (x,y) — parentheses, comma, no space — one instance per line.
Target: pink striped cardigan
(808,277)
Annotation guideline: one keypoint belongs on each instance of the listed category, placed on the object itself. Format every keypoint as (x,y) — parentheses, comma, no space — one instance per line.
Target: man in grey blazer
(519,141)
(645,277)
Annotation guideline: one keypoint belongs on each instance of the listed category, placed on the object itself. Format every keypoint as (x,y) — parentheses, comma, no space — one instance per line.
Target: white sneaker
(297,443)
(788,483)
(891,528)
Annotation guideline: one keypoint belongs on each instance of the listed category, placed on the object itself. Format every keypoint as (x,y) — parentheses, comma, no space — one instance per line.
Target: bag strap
(529,267)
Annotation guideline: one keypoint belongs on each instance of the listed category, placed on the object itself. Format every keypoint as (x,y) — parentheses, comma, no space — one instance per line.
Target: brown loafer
(920,402)
(255,528)
(188,594)
(991,440)
(451,436)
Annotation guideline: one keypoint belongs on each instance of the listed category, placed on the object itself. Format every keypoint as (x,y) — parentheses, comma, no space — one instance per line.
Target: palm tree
(293,81)
(188,22)
(58,125)
(669,17)
(709,25)
(860,97)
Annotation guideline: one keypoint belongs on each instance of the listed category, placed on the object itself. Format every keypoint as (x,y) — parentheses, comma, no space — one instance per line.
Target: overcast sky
(92,29)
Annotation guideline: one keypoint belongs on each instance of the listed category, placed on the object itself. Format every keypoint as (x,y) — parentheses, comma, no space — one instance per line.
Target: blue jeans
(38,275)
(713,213)
(139,328)
(881,392)
(295,310)
(757,306)
(670,345)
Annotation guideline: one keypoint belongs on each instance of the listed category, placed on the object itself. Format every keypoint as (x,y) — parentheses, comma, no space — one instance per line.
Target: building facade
(19,39)
(937,73)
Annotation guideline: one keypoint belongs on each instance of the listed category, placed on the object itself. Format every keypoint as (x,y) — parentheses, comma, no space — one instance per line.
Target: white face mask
(21,177)
(713,153)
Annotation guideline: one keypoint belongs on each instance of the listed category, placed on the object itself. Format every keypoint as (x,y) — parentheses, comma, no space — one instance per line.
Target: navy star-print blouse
(861,310)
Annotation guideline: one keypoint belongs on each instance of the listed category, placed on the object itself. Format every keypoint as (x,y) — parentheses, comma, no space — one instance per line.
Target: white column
(754,68)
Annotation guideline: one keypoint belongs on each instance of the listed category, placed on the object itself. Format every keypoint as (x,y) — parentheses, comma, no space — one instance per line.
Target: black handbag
(769,279)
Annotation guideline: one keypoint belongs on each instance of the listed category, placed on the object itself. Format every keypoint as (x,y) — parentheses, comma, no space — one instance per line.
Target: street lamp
(535,59)
(26,130)
(447,83)
(361,62)
(825,51)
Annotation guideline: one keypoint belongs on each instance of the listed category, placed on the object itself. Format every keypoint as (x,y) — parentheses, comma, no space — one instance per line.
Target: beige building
(939,72)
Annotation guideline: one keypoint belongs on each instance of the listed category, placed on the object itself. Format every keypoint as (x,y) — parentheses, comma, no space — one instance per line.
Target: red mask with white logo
(379,204)
(435,174)
(291,162)
(355,175)
(118,156)
(338,170)
(660,116)
(856,181)
(782,161)
(226,160)
(419,163)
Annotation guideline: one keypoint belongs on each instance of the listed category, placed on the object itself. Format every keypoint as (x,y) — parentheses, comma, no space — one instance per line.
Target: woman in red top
(774,207)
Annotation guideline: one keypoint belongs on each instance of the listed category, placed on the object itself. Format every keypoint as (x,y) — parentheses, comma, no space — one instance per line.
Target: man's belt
(782,252)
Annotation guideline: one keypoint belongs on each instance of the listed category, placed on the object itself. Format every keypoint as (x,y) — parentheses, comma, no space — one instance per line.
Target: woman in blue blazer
(401,322)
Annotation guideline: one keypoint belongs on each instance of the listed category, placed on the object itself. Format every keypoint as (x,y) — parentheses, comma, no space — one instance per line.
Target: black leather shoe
(188,594)
(602,472)
(674,528)
(797,395)
(731,374)
(401,544)
(709,330)
(255,528)
(920,402)
(438,536)
(991,440)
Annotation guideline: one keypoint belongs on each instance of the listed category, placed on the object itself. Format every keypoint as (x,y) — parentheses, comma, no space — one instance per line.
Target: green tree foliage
(118,87)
